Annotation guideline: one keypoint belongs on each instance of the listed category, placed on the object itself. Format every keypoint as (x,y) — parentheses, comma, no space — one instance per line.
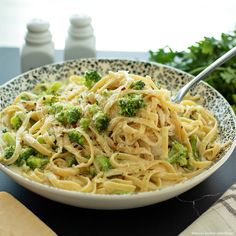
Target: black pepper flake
(44,98)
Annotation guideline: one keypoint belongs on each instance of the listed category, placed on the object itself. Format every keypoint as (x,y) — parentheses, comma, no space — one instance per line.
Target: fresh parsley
(198,56)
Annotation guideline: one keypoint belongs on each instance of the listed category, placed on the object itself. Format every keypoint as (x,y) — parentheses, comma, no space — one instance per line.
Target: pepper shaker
(38,49)
(80,41)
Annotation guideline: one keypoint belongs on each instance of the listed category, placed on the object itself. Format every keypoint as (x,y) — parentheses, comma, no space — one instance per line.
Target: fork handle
(181,93)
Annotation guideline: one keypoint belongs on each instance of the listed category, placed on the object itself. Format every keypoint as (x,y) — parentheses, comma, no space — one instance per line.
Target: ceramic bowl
(169,77)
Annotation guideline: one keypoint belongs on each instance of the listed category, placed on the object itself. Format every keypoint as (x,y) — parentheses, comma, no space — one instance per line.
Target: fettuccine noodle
(157,144)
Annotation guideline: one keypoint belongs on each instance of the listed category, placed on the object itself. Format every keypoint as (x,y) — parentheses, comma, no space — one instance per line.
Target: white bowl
(172,79)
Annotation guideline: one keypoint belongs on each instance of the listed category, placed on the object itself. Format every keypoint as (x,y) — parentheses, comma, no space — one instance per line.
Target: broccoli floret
(84,123)
(130,104)
(61,116)
(76,137)
(16,122)
(70,161)
(8,151)
(103,162)
(139,85)
(40,88)
(47,88)
(101,121)
(193,142)
(73,114)
(178,154)
(69,115)
(54,87)
(91,77)
(9,139)
(31,158)
(94,109)
(24,155)
(56,108)
(37,162)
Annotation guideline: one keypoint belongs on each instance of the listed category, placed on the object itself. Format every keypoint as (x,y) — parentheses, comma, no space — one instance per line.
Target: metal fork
(181,93)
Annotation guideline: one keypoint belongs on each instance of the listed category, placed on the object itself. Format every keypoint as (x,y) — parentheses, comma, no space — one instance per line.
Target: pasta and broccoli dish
(113,134)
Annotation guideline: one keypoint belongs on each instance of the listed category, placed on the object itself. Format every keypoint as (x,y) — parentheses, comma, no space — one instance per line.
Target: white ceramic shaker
(38,49)
(80,41)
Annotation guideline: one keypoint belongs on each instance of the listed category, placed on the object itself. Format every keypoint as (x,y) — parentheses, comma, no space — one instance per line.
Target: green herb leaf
(201,54)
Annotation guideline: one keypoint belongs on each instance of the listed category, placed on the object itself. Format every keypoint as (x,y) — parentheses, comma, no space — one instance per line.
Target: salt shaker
(38,49)
(80,41)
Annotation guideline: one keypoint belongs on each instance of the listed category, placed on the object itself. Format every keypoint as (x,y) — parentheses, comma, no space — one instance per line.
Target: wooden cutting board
(17,220)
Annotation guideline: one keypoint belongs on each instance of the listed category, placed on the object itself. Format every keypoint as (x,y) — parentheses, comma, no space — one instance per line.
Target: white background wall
(123,25)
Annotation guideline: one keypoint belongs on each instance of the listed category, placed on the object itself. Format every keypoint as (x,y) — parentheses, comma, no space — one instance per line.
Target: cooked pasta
(115,134)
